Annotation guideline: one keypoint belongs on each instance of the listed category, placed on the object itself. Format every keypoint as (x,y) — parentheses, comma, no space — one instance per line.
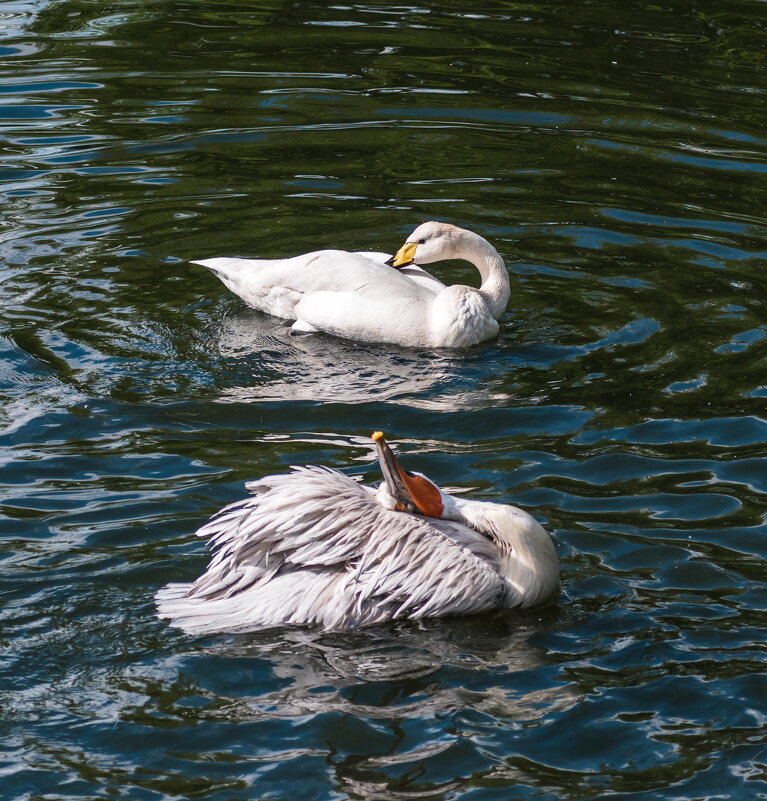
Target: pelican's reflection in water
(320,671)
(285,366)
(389,709)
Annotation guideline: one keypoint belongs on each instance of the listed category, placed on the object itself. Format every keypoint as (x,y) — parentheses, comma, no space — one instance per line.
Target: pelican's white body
(313,547)
(358,296)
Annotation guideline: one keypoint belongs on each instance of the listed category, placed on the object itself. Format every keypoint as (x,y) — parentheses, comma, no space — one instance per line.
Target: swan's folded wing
(371,313)
(376,255)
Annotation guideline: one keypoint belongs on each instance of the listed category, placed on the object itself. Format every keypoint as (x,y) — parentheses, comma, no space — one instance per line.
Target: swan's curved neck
(495,278)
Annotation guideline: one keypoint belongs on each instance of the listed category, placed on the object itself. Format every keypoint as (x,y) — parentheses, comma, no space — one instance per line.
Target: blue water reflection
(615,157)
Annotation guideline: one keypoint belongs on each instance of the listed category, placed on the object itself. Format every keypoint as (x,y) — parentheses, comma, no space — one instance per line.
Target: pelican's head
(431,241)
(529,563)
(404,490)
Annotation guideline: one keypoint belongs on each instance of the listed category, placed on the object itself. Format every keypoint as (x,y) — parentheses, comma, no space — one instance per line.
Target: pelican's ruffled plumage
(314,547)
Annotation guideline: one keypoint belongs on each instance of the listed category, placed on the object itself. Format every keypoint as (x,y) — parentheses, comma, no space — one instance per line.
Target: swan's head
(431,241)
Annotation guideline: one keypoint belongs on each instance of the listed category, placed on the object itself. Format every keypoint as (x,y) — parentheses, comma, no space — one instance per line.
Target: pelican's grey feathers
(314,547)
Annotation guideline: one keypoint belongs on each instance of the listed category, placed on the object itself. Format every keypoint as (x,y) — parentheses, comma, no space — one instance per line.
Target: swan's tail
(263,284)
(225,268)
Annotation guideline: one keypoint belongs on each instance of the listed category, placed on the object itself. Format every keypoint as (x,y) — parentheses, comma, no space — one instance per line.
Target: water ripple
(615,156)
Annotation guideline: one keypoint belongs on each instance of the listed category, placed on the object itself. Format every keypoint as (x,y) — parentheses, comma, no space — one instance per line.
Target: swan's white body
(314,547)
(359,296)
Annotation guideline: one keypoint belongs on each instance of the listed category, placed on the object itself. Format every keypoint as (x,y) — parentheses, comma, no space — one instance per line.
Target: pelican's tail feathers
(196,615)
(171,599)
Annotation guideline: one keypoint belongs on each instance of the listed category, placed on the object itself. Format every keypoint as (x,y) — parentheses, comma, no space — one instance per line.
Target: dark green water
(615,154)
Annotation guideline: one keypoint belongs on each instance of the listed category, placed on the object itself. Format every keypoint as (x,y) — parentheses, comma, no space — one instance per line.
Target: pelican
(372,297)
(315,548)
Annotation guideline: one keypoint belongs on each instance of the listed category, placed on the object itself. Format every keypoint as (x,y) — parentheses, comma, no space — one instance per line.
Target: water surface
(616,156)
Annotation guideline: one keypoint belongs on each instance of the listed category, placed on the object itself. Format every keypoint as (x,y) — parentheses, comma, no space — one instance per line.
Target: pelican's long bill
(414,493)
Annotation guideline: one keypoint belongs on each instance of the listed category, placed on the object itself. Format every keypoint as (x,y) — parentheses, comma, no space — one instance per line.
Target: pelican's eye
(420,241)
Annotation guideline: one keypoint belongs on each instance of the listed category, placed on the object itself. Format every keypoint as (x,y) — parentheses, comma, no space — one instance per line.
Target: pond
(615,154)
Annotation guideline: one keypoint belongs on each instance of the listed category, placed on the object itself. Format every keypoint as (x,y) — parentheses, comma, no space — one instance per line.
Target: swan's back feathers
(314,547)
(355,295)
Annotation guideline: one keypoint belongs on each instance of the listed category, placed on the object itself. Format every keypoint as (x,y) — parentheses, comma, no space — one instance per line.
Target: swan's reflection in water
(284,366)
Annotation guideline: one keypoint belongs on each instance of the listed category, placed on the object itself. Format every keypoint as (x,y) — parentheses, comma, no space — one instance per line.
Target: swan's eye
(421,241)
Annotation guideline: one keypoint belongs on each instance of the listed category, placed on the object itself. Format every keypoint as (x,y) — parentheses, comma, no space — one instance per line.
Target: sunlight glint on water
(615,155)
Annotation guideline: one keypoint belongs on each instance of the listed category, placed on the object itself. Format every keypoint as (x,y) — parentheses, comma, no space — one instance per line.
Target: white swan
(361,296)
(314,547)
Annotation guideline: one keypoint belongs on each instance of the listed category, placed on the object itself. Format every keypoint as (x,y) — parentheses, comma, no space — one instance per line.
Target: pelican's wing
(436,568)
(314,547)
